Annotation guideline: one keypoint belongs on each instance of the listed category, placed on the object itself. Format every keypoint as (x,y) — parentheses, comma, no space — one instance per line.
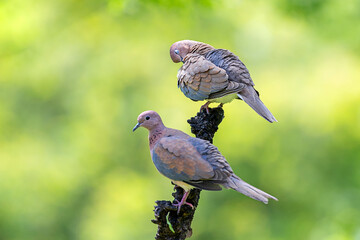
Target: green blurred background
(74,75)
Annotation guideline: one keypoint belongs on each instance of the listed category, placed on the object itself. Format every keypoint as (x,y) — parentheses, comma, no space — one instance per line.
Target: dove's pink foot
(206,106)
(182,202)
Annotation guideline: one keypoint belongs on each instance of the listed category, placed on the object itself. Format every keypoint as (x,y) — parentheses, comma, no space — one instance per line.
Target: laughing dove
(191,162)
(215,75)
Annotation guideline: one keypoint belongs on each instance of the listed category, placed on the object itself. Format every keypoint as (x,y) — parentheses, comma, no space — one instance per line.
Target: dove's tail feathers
(239,185)
(250,96)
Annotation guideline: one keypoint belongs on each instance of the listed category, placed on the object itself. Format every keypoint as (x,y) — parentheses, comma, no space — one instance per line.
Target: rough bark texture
(204,126)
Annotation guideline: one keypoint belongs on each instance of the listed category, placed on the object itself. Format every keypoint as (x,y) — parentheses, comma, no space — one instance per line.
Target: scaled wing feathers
(178,159)
(198,78)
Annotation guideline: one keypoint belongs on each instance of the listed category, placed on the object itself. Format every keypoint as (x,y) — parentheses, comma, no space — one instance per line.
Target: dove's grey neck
(155,134)
(201,48)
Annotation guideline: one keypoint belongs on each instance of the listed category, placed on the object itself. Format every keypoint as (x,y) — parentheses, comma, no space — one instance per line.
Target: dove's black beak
(136,127)
(178,53)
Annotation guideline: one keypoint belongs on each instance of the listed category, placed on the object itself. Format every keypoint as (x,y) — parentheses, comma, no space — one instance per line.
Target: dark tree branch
(204,126)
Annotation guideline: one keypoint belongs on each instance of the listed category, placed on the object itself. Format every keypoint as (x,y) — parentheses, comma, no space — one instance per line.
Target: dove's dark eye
(176,51)
(147,117)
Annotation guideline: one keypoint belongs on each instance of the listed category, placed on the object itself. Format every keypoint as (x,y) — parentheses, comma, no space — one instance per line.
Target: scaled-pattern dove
(215,75)
(191,162)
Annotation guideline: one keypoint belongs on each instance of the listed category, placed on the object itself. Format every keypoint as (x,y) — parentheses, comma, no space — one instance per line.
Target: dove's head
(149,120)
(180,49)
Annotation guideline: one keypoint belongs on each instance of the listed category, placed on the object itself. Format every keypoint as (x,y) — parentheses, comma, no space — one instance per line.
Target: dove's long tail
(249,95)
(239,185)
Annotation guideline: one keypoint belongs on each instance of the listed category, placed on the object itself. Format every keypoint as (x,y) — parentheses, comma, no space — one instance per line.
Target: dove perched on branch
(191,162)
(215,75)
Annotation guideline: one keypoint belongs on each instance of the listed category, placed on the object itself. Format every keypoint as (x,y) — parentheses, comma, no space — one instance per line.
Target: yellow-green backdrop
(74,75)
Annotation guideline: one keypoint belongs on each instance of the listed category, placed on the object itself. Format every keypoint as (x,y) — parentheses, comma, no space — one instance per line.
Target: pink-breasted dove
(191,162)
(215,75)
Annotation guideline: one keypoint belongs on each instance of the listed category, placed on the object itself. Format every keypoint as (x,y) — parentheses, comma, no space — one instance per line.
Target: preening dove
(215,75)
(191,162)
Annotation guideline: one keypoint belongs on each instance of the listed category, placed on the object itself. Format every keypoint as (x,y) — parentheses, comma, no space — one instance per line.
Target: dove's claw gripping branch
(182,202)
(205,106)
